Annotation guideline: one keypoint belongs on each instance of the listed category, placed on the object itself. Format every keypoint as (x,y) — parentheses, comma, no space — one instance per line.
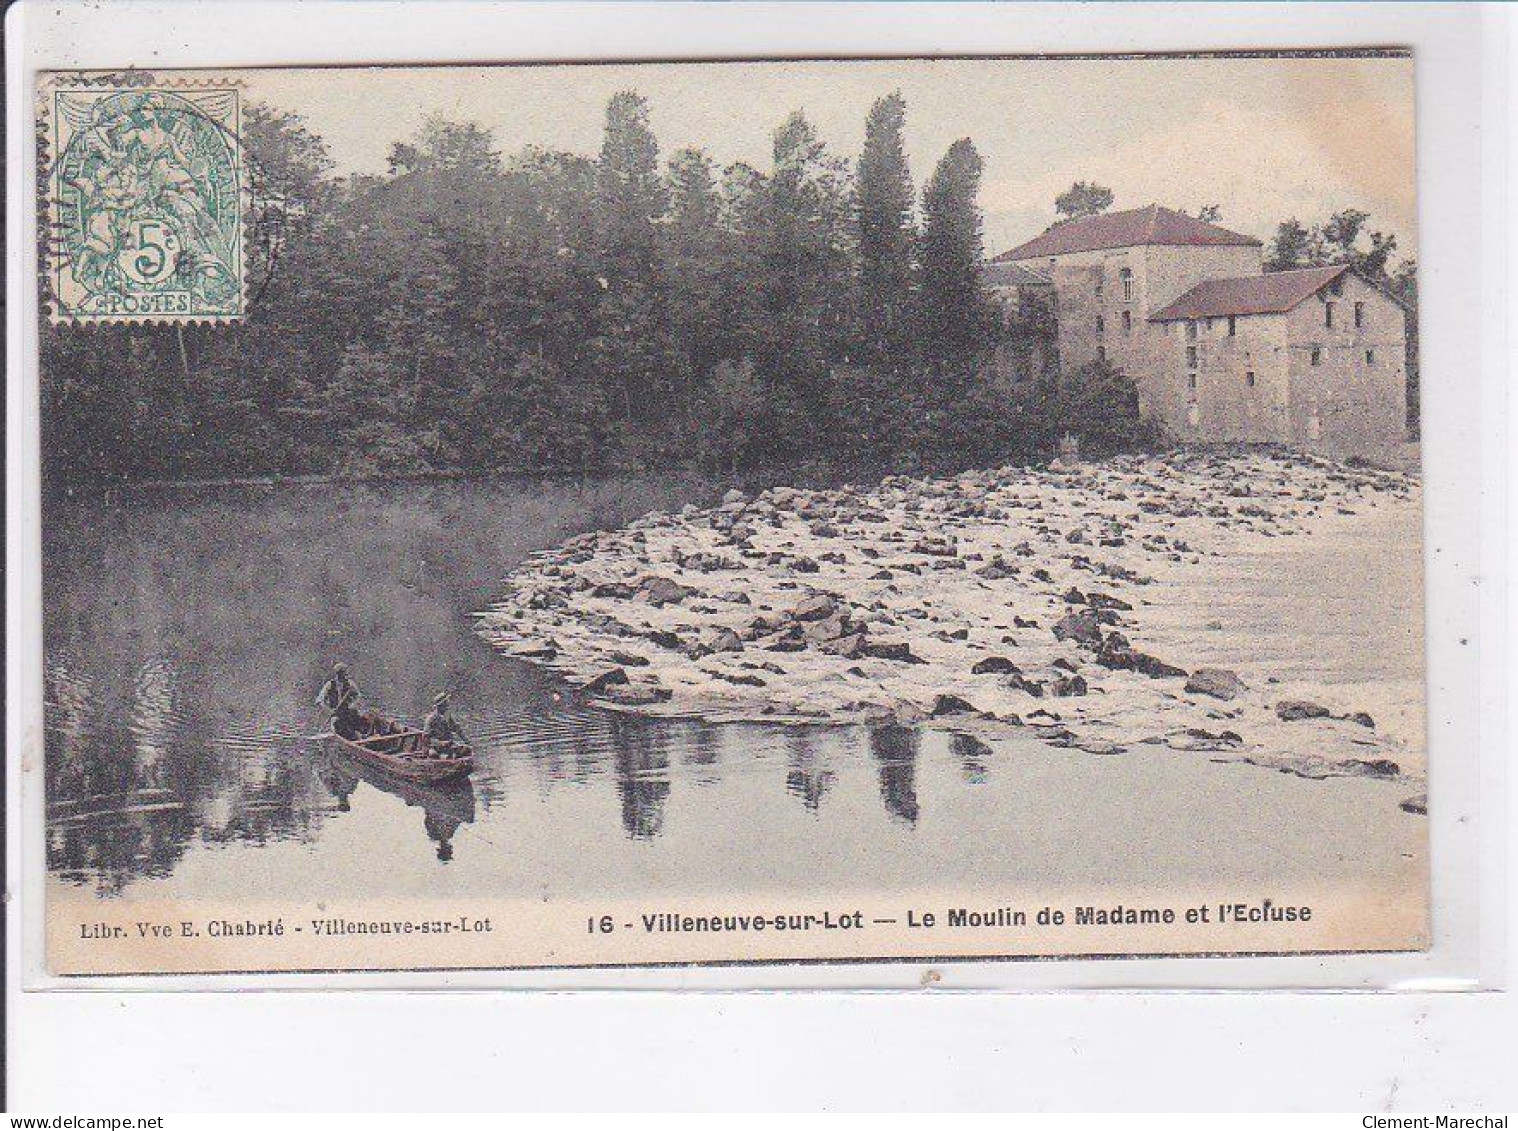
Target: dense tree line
(555,312)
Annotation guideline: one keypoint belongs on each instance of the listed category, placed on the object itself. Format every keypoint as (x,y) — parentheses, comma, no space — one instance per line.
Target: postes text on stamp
(145,204)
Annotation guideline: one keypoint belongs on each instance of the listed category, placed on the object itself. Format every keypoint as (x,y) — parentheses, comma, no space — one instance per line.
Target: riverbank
(1055,602)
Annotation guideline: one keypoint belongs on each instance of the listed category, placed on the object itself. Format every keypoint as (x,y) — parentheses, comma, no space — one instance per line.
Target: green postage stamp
(144,202)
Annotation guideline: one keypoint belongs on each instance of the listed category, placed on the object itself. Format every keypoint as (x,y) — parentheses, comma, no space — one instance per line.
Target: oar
(384,737)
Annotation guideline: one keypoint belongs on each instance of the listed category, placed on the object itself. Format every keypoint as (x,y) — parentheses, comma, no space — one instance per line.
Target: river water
(187,633)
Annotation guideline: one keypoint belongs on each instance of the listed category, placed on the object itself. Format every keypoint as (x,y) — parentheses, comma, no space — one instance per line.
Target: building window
(1126,275)
(1370,357)
(1191,380)
(1098,286)
(1328,315)
(1359,315)
(1233,325)
(1249,377)
(1191,330)
(1316,357)
(1191,356)
(1101,324)
(1101,353)
(1127,321)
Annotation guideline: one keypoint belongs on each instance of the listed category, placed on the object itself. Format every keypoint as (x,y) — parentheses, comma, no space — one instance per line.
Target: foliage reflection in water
(186,636)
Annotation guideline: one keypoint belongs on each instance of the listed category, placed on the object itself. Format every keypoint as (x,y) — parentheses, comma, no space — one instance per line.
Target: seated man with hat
(444,735)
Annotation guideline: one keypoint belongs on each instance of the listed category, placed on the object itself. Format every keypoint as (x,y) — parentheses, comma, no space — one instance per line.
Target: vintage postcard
(752,512)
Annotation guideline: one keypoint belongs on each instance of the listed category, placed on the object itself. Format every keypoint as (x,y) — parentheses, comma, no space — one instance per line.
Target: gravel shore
(1010,598)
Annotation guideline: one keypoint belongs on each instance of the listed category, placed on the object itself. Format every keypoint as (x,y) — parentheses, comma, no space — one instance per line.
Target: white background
(1405,1051)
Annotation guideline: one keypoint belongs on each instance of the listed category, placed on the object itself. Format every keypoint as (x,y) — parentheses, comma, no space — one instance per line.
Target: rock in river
(1220,683)
(818,607)
(1372,768)
(850,647)
(635,695)
(662,591)
(951,705)
(614,677)
(1290,710)
(1082,627)
(900,652)
(1066,686)
(722,640)
(994,665)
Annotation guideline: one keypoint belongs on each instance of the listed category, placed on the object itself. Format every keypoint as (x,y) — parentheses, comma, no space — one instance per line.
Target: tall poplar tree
(886,235)
(806,274)
(630,199)
(955,317)
(694,245)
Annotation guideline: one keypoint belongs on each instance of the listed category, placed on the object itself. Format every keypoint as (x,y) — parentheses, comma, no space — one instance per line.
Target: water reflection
(446,807)
(895,751)
(702,747)
(974,757)
(642,768)
(186,640)
(807,775)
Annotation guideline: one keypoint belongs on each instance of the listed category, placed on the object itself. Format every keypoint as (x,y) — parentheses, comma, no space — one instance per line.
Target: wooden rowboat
(446,803)
(402,753)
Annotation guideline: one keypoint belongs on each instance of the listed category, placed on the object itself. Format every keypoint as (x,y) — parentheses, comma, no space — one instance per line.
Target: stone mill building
(1220,350)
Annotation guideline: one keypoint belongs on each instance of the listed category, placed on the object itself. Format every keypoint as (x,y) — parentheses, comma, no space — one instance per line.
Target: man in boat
(340,696)
(444,735)
(333,691)
(347,720)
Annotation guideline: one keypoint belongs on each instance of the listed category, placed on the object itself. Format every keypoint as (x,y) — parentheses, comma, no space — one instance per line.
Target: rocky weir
(992,602)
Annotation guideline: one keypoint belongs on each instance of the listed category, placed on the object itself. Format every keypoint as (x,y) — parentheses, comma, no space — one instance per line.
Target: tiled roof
(1136,228)
(1013,275)
(1273,293)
